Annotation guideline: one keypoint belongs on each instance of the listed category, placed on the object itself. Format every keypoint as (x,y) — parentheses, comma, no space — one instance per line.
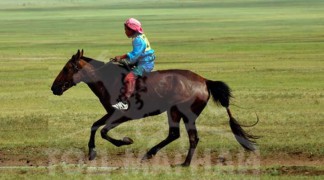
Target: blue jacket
(142,54)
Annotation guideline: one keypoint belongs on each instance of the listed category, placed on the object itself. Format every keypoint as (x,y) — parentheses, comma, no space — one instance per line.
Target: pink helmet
(134,24)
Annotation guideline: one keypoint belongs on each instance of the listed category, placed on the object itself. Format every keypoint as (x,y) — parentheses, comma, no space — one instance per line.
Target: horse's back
(186,74)
(177,86)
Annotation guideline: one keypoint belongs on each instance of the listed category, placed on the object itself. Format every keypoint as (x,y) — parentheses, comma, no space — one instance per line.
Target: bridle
(71,83)
(75,67)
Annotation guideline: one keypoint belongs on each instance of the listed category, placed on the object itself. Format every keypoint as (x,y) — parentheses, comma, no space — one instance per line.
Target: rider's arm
(139,46)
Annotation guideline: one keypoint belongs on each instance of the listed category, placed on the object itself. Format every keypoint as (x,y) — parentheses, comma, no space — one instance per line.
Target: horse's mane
(105,68)
(95,63)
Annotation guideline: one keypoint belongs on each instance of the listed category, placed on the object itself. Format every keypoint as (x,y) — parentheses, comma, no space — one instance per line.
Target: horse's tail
(221,94)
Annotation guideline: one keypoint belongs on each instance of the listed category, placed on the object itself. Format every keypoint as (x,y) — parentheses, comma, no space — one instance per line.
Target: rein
(122,63)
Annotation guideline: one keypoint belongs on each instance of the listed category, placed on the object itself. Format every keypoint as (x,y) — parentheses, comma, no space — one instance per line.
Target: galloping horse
(181,93)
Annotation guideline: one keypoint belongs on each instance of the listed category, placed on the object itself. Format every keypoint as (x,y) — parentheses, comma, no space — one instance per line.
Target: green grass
(269,52)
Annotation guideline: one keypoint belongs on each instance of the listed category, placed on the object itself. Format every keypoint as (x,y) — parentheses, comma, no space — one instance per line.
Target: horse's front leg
(112,123)
(94,128)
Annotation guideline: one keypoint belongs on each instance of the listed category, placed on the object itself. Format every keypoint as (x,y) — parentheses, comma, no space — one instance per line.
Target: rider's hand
(118,58)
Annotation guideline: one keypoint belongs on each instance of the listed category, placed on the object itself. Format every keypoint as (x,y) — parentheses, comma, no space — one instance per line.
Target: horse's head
(70,75)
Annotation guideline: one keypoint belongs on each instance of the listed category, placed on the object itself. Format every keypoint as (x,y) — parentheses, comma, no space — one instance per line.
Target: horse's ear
(76,57)
(79,54)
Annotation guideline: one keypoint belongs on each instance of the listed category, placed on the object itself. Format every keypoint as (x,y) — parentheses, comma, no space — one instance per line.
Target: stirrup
(120,106)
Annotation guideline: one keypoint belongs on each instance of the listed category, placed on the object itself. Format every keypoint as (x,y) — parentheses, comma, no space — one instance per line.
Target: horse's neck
(99,90)
(105,82)
(96,89)
(95,83)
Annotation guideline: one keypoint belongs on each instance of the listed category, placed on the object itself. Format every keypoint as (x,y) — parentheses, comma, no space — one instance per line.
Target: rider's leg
(130,84)
(130,81)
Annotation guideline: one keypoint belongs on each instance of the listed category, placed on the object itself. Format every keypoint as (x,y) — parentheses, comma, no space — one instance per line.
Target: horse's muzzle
(57,90)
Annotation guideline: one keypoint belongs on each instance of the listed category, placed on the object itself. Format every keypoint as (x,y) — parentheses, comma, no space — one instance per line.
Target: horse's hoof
(147,157)
(128,140)
(92,155)
(180,165)
(185,165)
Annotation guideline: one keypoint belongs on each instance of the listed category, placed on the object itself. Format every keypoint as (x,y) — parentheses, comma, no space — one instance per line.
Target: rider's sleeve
(138,48)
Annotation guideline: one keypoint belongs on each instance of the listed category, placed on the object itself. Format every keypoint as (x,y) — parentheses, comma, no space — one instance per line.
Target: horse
(181,93)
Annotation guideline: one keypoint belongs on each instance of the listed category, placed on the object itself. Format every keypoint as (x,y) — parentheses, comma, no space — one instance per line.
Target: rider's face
(129,32)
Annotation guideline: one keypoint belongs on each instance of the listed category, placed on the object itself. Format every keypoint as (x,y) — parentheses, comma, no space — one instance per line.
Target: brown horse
(181,93)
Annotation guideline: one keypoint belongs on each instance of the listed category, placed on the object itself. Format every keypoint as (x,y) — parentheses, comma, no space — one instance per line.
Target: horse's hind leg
(174,117)
(189,118)
(193,139)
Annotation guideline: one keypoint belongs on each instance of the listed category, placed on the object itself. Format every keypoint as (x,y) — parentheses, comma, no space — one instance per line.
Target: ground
(282,164)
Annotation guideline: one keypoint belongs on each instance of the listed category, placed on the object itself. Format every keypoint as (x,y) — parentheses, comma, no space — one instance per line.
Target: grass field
(270,52)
